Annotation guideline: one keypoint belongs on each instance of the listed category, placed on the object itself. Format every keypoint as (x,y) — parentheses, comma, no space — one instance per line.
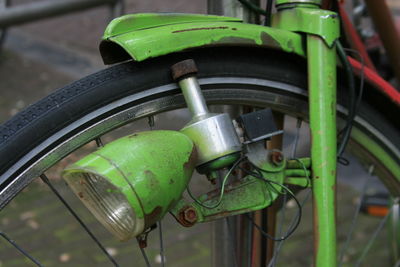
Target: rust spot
(202,29)
(228,188)
(80,194)
(234,29)
(191,163)
(171,181)
(142,243)
(152,217)
(276,157)
(316,177)
(183,69)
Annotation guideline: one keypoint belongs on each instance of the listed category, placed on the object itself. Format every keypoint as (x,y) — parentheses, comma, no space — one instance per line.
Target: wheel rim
(260,97)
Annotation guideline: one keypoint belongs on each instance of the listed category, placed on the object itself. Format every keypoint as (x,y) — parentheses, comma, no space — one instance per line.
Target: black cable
(356,102)
(352,99)
(254,8)
(222,192)
(268,11)
(361,90)
(290,231)
(260,175)
(299,214)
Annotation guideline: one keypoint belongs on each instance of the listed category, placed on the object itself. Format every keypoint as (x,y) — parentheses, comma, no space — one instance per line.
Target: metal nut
(183,69)
(190,215)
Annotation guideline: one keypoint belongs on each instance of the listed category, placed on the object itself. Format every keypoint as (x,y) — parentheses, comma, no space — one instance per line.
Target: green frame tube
(322,101)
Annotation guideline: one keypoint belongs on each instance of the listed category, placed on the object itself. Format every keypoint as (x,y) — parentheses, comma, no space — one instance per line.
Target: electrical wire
(279,246)
(221,194)
(362,78)
(352,98)
(258,175)
(288,191)
(268,11)
(299,214)
(354,102)
(253,7)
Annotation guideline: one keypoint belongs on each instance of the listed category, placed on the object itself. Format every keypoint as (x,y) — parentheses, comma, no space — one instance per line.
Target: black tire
(271,78)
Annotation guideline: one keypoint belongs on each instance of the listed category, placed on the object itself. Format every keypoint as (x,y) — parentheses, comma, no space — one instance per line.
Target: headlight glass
(107,203)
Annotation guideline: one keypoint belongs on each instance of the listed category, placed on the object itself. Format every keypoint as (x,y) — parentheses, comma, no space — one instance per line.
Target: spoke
(355,217)
(46,181)
(249,240)
(99,143)
(296,138)
(279,246)
(373,238)
(161,244)
(144,256)
(12,242)
(231,238)
(150,121)
(291,225)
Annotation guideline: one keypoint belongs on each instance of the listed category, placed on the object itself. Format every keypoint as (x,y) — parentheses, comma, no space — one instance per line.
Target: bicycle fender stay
(143,36)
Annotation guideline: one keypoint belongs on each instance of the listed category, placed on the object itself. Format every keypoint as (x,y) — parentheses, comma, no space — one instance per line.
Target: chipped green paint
(178,34)
(134,22)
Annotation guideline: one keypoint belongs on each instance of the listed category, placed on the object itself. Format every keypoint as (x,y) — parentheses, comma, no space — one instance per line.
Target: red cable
(377,81)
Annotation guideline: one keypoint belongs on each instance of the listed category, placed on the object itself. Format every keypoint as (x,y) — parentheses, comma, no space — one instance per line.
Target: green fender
(143,36)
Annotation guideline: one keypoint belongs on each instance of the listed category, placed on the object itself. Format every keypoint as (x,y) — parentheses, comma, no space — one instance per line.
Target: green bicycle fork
(322,30)
(322,99)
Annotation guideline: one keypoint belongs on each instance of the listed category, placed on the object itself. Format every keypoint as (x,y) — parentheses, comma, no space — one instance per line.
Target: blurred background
(37,58)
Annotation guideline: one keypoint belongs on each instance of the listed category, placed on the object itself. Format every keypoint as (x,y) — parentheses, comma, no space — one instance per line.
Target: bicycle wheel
(44,133)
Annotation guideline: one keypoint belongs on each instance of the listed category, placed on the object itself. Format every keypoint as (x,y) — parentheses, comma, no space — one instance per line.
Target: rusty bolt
(183,69)
(187,216)
(276,158)
(190,215)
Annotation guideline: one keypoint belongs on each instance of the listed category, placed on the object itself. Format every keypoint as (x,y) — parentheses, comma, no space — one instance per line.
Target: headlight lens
(107,203)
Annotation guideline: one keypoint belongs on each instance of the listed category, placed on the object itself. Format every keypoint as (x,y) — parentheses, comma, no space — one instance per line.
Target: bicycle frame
(155,35)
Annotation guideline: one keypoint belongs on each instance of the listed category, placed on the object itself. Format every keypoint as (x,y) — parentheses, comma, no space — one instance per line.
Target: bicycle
(269,58)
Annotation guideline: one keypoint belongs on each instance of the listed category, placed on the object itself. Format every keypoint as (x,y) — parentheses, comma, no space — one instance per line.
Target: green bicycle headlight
(131,183)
